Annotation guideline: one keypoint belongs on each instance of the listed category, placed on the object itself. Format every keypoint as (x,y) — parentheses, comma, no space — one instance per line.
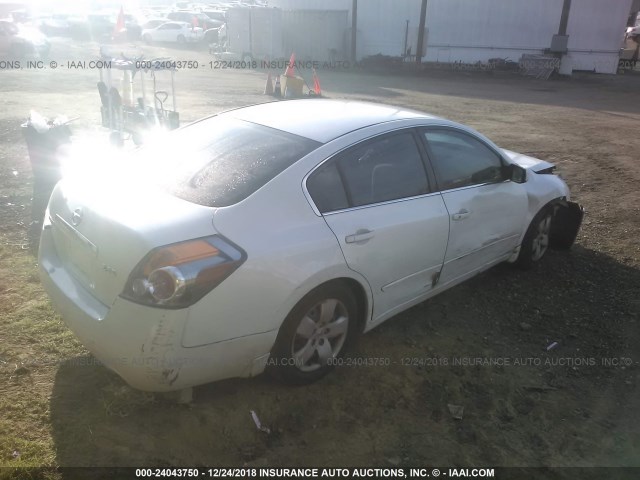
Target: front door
(486,210)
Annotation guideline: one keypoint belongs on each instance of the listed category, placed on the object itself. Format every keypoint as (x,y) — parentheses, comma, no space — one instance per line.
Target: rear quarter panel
(290,251)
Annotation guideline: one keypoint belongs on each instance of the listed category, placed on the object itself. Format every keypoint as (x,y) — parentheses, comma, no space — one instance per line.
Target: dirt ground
(574,405)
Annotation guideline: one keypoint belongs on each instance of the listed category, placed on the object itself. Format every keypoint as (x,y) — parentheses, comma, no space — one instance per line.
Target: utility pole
(564,18)
(354,29)
(423,21)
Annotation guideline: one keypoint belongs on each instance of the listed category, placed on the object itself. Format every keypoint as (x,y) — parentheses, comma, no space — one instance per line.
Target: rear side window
(326,189)
(384,169)
(219,161)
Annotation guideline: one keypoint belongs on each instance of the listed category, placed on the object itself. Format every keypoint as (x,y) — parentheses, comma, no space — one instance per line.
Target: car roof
(323,120)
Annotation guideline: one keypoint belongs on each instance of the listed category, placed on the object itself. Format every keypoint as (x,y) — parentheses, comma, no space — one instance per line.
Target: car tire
(147,39)
(181,39)
(537,239)
(316,332)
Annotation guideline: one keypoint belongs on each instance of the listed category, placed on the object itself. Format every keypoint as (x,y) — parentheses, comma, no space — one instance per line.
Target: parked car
(178,32)
(633,32)
(155,11)
(270,236)
(217,15)
(55,25)
(196,19)
(153,23)
(17,40)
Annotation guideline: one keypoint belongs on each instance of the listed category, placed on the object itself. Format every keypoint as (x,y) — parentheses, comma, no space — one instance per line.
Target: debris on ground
(259,425)
(20,370)
(525,326)
(456,411)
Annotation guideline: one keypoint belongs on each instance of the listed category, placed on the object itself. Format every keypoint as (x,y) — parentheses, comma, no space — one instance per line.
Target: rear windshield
(220,161)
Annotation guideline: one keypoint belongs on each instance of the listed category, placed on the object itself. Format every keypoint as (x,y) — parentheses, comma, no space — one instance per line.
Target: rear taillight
(178,275)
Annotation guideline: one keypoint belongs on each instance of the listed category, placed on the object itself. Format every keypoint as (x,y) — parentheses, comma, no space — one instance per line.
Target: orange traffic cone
(277,90)
(268,88)
(289,72)
(120,25)
(316,84)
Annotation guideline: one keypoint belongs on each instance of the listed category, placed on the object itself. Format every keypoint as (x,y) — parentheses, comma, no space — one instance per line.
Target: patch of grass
(28,364)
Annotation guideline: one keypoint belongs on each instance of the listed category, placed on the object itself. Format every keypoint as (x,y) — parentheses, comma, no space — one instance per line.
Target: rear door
(167,32)
(392,227)
(487,211)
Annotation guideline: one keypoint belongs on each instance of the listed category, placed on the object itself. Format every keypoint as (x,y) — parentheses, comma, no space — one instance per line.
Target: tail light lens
(178,275)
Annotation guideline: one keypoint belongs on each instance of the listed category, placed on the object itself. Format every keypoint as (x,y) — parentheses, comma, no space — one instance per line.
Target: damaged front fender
(565,225)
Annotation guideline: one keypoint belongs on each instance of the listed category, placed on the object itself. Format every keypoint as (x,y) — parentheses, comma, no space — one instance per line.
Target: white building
(475,30)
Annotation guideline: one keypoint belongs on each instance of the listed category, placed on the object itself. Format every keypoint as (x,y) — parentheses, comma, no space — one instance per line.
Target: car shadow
(584,300)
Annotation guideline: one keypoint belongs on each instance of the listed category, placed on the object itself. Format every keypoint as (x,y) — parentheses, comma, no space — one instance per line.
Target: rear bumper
(142,344)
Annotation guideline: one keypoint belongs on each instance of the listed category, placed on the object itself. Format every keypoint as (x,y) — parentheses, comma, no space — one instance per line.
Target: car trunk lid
(100,234)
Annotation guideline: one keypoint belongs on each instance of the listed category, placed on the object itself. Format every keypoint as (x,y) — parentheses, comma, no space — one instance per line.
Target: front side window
(459,160)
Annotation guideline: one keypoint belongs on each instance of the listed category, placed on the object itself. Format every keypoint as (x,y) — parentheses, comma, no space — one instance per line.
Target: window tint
(326,189)
(220,161)
(460,160)
(384,169)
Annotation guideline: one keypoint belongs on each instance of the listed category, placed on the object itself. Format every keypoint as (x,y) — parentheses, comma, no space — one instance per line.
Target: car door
(390,224)
(167,32)
(487,210)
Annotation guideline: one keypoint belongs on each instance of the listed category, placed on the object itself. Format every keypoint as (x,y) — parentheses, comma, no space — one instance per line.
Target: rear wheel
(181,39)
(315,333)
(536,241)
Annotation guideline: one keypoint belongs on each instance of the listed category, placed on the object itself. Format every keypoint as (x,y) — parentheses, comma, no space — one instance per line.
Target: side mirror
(516,173)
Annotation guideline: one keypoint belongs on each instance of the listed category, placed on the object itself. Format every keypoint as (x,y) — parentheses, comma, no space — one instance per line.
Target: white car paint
(173,31)
(527,162)
(478,238)
(291,248)
(397,267)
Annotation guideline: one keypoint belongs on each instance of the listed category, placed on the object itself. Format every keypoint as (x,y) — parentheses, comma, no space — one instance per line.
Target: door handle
(361,235)
(461,215)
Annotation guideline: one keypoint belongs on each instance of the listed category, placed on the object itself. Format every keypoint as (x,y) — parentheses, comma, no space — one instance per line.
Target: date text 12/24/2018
(313,472)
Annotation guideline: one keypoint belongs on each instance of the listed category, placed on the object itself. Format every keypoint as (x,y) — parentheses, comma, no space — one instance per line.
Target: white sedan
(269,237)
(176,32)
